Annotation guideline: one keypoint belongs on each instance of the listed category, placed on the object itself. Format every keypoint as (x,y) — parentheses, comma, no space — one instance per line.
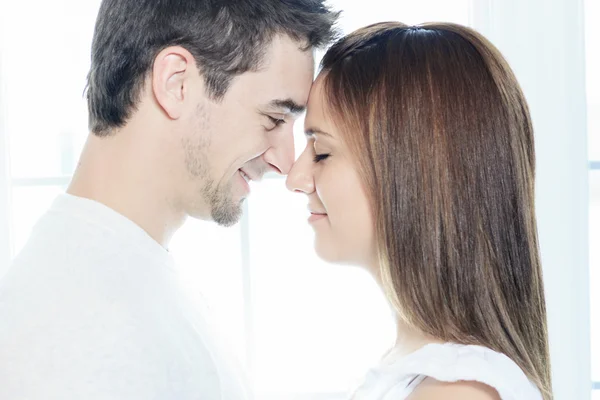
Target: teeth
(246,177)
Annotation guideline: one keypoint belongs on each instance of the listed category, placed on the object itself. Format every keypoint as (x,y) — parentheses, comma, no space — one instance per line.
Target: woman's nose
(300,178)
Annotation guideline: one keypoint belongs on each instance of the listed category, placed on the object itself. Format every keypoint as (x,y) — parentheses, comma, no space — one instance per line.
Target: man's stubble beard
(223,209)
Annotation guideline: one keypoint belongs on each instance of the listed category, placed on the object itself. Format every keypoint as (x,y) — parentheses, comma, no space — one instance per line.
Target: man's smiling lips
(245,176)
(248,177)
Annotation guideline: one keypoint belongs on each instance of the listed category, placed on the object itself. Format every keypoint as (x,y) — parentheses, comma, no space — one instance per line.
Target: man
(188,100)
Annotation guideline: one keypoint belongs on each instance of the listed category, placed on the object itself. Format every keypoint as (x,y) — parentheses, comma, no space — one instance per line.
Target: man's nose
(280,156)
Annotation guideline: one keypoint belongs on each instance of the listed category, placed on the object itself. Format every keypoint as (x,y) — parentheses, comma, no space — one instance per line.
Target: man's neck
(124,180)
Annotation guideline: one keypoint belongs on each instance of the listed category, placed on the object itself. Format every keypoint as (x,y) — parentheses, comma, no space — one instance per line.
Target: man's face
(239,138)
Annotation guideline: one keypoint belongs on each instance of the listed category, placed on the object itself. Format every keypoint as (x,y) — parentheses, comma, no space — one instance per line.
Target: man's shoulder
(81,344)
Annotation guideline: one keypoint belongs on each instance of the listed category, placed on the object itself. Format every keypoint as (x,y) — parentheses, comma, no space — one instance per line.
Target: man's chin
(228,215)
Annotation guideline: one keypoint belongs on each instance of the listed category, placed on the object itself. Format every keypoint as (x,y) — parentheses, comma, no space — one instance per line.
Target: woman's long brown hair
(442,134)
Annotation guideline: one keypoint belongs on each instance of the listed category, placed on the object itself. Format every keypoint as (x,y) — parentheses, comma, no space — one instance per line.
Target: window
(592,32)
(44,112)
(595,278)
(294,320)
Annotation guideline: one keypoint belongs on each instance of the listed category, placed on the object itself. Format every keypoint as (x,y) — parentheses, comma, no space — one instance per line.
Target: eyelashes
(320,157)
(276,121)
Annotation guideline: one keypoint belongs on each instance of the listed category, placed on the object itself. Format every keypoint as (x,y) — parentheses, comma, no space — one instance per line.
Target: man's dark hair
(226,38)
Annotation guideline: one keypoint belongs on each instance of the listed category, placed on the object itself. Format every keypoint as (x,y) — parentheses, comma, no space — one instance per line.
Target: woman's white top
(397,376)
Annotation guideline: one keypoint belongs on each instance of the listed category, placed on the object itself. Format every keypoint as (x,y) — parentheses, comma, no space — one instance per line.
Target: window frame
(5,194)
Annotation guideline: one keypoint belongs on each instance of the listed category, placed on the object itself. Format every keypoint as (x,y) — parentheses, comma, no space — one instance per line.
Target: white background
(306,329)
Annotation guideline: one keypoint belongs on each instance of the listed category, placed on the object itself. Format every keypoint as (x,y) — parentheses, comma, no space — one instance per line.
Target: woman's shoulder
(448,371)
(432,389)
(467,371)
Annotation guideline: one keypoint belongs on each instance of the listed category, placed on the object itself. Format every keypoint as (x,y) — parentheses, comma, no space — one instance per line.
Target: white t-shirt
(397,377)
(92,309)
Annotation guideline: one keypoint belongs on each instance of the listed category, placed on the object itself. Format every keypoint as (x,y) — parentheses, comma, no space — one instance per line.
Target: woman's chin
(327,252)
(332,255)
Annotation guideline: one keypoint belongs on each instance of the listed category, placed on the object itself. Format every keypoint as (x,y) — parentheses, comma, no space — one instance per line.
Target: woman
(419,166)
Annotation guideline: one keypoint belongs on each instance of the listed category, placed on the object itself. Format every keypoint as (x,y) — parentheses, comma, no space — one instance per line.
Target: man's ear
(171,73)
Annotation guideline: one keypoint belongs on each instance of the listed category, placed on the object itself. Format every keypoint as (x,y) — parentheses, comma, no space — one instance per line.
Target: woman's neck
(410,339)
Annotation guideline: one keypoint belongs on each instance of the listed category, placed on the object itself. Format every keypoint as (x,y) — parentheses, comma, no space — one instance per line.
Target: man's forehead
(282,84)
(289,73)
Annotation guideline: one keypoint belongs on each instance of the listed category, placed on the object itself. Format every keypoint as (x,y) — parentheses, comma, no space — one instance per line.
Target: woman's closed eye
(320,157)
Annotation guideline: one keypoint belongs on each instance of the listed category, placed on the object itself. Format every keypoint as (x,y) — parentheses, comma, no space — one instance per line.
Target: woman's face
(326,172)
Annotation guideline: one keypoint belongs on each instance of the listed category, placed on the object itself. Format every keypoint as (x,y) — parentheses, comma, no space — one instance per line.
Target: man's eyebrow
(289,105)
(310,132)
